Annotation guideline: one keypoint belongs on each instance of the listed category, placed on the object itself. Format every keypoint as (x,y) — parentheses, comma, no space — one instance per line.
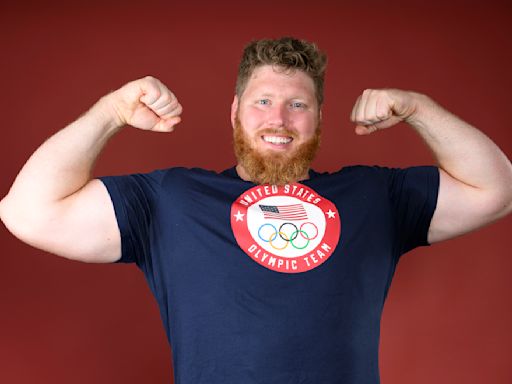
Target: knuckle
(382,115)
(166,99)
(156,94)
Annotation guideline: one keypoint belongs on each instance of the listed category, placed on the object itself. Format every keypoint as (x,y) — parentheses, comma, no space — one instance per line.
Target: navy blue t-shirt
(273,285)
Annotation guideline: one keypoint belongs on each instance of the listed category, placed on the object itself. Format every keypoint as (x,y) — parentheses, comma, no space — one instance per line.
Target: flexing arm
(54,205)
(475,176)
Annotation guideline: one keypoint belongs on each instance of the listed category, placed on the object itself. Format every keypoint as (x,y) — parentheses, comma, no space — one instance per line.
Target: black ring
(295,232)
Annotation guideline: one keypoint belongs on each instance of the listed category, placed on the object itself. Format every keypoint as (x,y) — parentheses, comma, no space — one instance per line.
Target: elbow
(507,190)
(506,195)
(507,206)
(2,209)
(10,216)
(6,212)
(19,219)
(497,197)
(499,203)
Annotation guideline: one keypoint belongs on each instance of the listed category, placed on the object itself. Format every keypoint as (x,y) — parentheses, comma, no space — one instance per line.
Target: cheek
(308,126)
(252,120)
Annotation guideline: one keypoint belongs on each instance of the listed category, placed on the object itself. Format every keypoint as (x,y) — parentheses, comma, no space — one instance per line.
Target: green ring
(296,233)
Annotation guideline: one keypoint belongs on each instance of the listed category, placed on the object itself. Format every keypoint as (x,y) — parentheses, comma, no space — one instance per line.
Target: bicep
(83,227)
(460,209)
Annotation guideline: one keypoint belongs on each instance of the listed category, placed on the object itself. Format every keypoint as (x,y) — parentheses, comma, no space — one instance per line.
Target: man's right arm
(54,204)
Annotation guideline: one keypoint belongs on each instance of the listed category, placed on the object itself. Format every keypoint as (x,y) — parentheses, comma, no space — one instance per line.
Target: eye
(298,105)
(264,102)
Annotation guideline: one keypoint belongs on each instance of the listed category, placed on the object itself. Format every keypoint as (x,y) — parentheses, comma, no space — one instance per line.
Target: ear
(234,110)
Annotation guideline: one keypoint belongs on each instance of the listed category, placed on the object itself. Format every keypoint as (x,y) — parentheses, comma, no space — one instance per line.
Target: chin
(274,166)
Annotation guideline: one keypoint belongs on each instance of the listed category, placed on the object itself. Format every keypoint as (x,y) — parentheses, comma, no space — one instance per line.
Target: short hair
(288,53)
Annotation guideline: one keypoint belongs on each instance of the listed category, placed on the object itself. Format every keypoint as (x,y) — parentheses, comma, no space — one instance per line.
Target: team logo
(288,228)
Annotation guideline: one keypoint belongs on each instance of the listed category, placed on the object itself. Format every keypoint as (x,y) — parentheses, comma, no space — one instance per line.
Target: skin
(53,200)
(277,110)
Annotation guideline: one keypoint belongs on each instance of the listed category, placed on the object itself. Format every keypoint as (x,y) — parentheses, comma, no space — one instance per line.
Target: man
(268,272)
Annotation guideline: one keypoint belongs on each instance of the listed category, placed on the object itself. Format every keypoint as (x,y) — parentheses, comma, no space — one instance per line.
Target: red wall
(448,315)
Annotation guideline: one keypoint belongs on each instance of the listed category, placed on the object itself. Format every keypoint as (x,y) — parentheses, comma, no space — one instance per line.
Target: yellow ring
(273,237)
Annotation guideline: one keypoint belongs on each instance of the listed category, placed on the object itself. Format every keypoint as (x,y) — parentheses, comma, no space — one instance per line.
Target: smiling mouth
(277,140)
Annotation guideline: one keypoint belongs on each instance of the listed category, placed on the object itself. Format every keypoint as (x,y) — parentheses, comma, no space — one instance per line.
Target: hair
(287,53)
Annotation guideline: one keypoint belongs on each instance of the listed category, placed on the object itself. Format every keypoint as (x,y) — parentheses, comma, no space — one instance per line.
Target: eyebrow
(267,94)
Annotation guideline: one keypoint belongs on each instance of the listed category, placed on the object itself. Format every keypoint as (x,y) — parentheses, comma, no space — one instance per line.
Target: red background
(448,315)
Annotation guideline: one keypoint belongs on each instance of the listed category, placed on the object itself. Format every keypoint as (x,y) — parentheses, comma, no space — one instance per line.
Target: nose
(278,116)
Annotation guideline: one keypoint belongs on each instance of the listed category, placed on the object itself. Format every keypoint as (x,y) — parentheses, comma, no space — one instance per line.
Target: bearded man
(256,279)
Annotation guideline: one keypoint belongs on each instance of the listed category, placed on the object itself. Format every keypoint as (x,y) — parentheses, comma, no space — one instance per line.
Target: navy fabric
(231,320)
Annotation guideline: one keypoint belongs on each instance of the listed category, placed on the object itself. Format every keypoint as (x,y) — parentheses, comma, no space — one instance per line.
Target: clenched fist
(146,104)
(382,108)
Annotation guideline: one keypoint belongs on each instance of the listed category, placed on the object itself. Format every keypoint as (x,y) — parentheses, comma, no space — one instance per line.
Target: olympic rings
(296,231)
(259,232)
(316,228)
(288,239)
(273,237)
(307,238)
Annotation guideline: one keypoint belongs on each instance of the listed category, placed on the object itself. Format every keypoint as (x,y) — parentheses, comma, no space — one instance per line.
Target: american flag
(284,212)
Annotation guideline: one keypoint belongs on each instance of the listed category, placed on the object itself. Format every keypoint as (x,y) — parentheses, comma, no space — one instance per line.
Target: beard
(274,168)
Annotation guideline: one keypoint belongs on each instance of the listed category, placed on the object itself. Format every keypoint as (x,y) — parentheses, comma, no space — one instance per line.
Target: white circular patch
(287,229)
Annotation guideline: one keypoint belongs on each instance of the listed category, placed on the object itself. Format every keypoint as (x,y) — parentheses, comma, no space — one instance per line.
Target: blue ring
(259,230)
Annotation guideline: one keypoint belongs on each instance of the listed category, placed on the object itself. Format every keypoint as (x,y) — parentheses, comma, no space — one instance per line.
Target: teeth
(277,139)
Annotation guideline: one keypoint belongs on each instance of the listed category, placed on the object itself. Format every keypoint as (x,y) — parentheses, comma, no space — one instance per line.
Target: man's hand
(382,108)
(146,104)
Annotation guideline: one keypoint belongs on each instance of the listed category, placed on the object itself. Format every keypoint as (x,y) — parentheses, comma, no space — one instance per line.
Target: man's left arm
(475,175)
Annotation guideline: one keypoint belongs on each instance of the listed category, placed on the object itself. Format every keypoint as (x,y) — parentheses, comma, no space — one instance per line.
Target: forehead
(278,80)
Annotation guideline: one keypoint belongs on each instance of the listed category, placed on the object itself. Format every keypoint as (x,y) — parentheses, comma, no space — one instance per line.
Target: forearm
(462,151)
(62,165)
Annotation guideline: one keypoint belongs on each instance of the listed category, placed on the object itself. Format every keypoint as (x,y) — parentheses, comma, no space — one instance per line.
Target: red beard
(274,168)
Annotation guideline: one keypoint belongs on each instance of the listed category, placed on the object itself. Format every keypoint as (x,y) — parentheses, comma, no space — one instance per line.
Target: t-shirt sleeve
(413,193)
(134,198)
